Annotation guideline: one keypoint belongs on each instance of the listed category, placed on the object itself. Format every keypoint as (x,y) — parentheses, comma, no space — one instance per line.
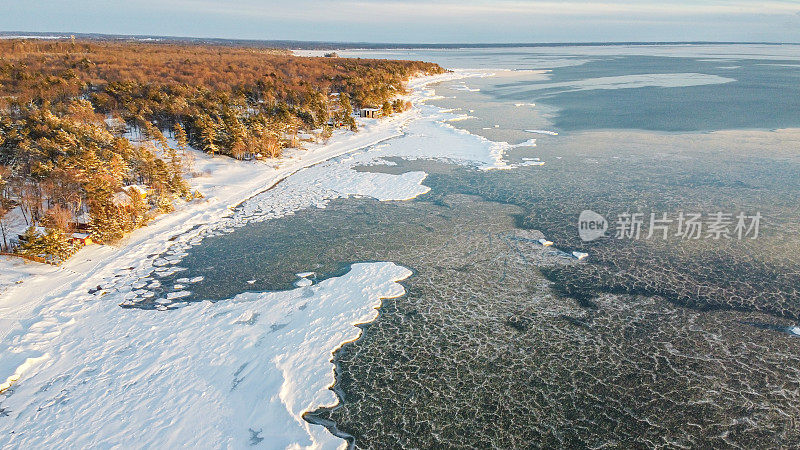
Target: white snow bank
(211,375)
(22,368)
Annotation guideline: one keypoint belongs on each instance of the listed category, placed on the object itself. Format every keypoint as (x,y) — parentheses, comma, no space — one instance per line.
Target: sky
(416,21)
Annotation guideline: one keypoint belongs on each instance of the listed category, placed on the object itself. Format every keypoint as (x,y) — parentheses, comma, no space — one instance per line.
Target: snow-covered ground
(79,371)
(213,375)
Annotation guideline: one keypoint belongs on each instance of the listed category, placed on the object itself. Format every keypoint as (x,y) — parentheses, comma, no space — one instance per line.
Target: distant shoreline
(333,45)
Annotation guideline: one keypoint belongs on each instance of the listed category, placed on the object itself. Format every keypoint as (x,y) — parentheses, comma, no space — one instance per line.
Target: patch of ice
(463,87)
(663,80)
(303,282)
(191,378)
(528,143)
(579,255)
(549,133)
(178,294)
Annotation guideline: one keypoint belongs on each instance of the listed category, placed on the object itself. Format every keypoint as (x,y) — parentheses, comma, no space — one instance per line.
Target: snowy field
(80,371)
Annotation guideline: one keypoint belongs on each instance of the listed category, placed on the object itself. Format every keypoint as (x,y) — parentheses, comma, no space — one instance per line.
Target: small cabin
(372,113)
(80,238)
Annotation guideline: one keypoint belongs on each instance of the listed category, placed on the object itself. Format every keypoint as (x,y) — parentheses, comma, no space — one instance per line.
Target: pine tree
(181,138)
(30,244)
(54,243)
(183,147)
(347,112)
(209,135)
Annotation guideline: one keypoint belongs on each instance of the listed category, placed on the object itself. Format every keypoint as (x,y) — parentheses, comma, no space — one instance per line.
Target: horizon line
(303,44)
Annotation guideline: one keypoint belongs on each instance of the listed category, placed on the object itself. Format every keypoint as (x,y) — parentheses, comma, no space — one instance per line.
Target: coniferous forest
(69,110)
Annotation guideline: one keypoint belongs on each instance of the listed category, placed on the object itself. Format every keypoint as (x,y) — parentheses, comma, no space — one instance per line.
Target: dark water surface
(502,343)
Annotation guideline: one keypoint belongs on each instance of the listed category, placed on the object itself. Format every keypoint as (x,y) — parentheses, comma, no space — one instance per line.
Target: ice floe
(463,87)
(549,133)
(665,80)
(303,282)
(580,255)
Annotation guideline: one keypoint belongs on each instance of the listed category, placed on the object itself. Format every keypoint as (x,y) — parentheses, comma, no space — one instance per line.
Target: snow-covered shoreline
(78,370)
(226,184)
